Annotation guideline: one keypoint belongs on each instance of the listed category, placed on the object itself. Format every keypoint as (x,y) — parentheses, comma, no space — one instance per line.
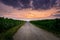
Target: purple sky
(29,9)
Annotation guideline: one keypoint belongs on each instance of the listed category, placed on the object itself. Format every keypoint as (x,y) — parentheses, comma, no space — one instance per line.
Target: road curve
(31,32)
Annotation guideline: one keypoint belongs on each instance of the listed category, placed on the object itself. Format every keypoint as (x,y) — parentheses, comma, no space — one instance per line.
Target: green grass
(9,34)
(51,25)
(8,28)
(6,24)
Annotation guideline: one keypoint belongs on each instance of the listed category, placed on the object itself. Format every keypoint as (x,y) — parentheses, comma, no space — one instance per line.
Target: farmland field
(51,25)
(8,27)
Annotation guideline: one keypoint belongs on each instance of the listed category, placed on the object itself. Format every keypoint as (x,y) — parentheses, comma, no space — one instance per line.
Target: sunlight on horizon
(40,14)
(28,13)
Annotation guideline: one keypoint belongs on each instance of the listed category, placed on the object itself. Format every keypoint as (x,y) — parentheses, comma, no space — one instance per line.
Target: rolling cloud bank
(29,8)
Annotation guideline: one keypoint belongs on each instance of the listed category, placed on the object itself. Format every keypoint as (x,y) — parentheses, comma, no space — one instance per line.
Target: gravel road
(31,32)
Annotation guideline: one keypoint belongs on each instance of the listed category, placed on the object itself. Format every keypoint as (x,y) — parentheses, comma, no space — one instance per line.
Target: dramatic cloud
(36,4)
(17,3)
(57,14)
(10,12)
(4,9)
(8,8)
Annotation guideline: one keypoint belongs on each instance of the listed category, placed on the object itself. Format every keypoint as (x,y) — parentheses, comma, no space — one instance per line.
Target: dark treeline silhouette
(52,25)
(6,23)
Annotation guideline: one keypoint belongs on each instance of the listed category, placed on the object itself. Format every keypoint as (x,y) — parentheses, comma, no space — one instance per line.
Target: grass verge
(51,25)
(8,35)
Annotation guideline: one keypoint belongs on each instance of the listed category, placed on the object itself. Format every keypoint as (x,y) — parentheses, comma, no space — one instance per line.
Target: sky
(30,9)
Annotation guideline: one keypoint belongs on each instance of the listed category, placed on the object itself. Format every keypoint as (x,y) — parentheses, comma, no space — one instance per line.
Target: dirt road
(31,32)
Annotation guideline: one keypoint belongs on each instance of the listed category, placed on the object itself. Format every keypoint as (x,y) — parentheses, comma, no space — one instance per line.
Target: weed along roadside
(9,34)
(10,27)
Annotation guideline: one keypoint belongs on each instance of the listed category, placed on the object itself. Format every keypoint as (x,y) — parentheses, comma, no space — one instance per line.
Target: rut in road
(31,32)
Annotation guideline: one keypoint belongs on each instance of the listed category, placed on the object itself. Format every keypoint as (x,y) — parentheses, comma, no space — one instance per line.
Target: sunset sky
(30,9)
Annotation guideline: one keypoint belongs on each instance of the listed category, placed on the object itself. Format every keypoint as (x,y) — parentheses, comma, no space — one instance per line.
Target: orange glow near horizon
(28,13)
(40,14)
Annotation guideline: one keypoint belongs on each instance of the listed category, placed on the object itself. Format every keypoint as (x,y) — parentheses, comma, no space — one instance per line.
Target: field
(8,27)
(51,25)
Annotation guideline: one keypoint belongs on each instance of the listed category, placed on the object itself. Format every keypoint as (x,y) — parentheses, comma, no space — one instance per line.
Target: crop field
(51,25)
(8,27)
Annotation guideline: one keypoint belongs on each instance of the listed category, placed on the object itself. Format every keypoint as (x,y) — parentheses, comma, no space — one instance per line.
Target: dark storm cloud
(41,3)
(16,3)
(25,3)
(13,3)
(37,4)
(44,4)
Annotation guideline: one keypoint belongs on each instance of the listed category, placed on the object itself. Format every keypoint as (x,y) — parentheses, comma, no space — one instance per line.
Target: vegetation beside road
(8,27)
(51,25)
